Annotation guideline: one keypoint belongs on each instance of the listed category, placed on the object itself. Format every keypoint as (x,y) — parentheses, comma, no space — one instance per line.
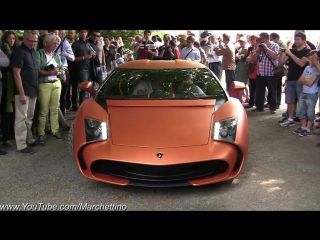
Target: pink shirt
(253,75)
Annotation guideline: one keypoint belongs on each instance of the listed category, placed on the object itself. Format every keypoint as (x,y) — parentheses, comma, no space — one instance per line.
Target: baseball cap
(243,39)
(183,36)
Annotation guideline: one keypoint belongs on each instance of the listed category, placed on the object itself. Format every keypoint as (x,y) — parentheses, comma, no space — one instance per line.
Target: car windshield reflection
(198,83)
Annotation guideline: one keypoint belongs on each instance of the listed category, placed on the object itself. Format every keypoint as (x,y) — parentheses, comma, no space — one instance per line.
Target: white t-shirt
(51,60)
(144,86)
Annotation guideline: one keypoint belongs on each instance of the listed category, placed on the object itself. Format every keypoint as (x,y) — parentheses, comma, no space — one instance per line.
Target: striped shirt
(265,67)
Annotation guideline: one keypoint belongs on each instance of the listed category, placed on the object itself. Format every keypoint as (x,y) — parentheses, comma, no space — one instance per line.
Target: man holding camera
(297,62)
(144,51)
(228,53)
(266,56)
(166,50)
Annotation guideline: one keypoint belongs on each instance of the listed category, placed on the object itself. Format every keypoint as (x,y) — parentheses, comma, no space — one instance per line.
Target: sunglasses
(95,35)
(32,40)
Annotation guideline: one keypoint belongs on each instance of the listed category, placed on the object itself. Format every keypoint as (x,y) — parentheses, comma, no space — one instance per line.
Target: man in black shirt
(24,64)
(308,44)
(109,54)
(82,55)
(298,60)
(95,64)
(166,50)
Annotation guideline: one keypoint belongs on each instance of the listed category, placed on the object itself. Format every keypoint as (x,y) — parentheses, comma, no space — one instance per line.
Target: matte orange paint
(180,129)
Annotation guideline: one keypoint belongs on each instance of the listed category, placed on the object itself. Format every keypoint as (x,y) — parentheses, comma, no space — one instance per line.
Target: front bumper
(185,166)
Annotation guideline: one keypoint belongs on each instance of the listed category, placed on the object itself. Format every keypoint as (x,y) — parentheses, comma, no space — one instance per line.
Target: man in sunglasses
(266,56)
(82,55)
(190,52)
(98,64)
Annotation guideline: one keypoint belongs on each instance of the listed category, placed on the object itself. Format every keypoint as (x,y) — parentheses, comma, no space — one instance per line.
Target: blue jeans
(307,104)
(293,91)
(98,77)
(215,67)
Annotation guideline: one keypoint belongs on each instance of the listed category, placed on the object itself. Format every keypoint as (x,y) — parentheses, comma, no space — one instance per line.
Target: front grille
(168,173)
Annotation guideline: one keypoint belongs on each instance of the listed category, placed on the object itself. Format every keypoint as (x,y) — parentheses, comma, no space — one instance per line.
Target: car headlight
(96,130)
(225,130)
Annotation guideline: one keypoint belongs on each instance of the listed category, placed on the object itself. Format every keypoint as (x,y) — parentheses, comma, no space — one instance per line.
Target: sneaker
(287,123)
(304,133)
(283,119)
(41,139)
(27,150)
(57,136)
(298,130)
(2,152)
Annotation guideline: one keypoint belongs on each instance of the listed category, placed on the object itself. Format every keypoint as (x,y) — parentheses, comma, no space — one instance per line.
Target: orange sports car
(160,123)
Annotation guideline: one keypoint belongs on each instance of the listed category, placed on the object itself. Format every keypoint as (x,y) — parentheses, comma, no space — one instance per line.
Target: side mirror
(235,87)
(87,86)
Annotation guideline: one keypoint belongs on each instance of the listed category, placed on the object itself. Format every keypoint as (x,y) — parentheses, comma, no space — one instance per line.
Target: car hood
(160,123)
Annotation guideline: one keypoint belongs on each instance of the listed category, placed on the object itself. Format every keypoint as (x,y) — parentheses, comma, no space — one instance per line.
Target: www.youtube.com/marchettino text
(63,207)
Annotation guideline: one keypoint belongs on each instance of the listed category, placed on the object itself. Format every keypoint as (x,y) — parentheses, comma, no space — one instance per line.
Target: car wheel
(70,140)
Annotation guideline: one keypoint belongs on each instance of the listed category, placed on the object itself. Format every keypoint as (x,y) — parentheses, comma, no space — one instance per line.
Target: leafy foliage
(125,34)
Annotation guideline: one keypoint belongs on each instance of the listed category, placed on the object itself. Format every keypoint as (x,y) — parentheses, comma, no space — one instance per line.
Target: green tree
(18,32)
(125,34)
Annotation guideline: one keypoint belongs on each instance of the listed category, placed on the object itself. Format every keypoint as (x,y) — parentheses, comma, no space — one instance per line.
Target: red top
(177,52)
(142,53)
(253,75)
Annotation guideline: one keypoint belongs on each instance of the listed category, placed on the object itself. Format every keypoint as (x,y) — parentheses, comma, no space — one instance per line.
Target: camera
(260,45)
(283,50)
(49,67)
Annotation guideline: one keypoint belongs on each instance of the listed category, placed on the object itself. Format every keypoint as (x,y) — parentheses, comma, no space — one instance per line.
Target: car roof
(155,64)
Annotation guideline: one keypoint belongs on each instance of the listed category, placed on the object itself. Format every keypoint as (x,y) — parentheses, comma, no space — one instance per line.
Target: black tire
(70,140)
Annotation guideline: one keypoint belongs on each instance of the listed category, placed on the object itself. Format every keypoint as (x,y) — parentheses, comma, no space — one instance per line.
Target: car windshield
(197,83)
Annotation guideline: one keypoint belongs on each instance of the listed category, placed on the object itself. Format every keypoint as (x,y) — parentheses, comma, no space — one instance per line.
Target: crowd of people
(40,74)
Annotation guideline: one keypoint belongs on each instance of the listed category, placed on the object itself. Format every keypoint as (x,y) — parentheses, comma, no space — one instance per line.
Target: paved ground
(282,172)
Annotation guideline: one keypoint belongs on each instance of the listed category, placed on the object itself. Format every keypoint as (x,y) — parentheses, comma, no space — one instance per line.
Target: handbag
(279,71)
(250,68)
